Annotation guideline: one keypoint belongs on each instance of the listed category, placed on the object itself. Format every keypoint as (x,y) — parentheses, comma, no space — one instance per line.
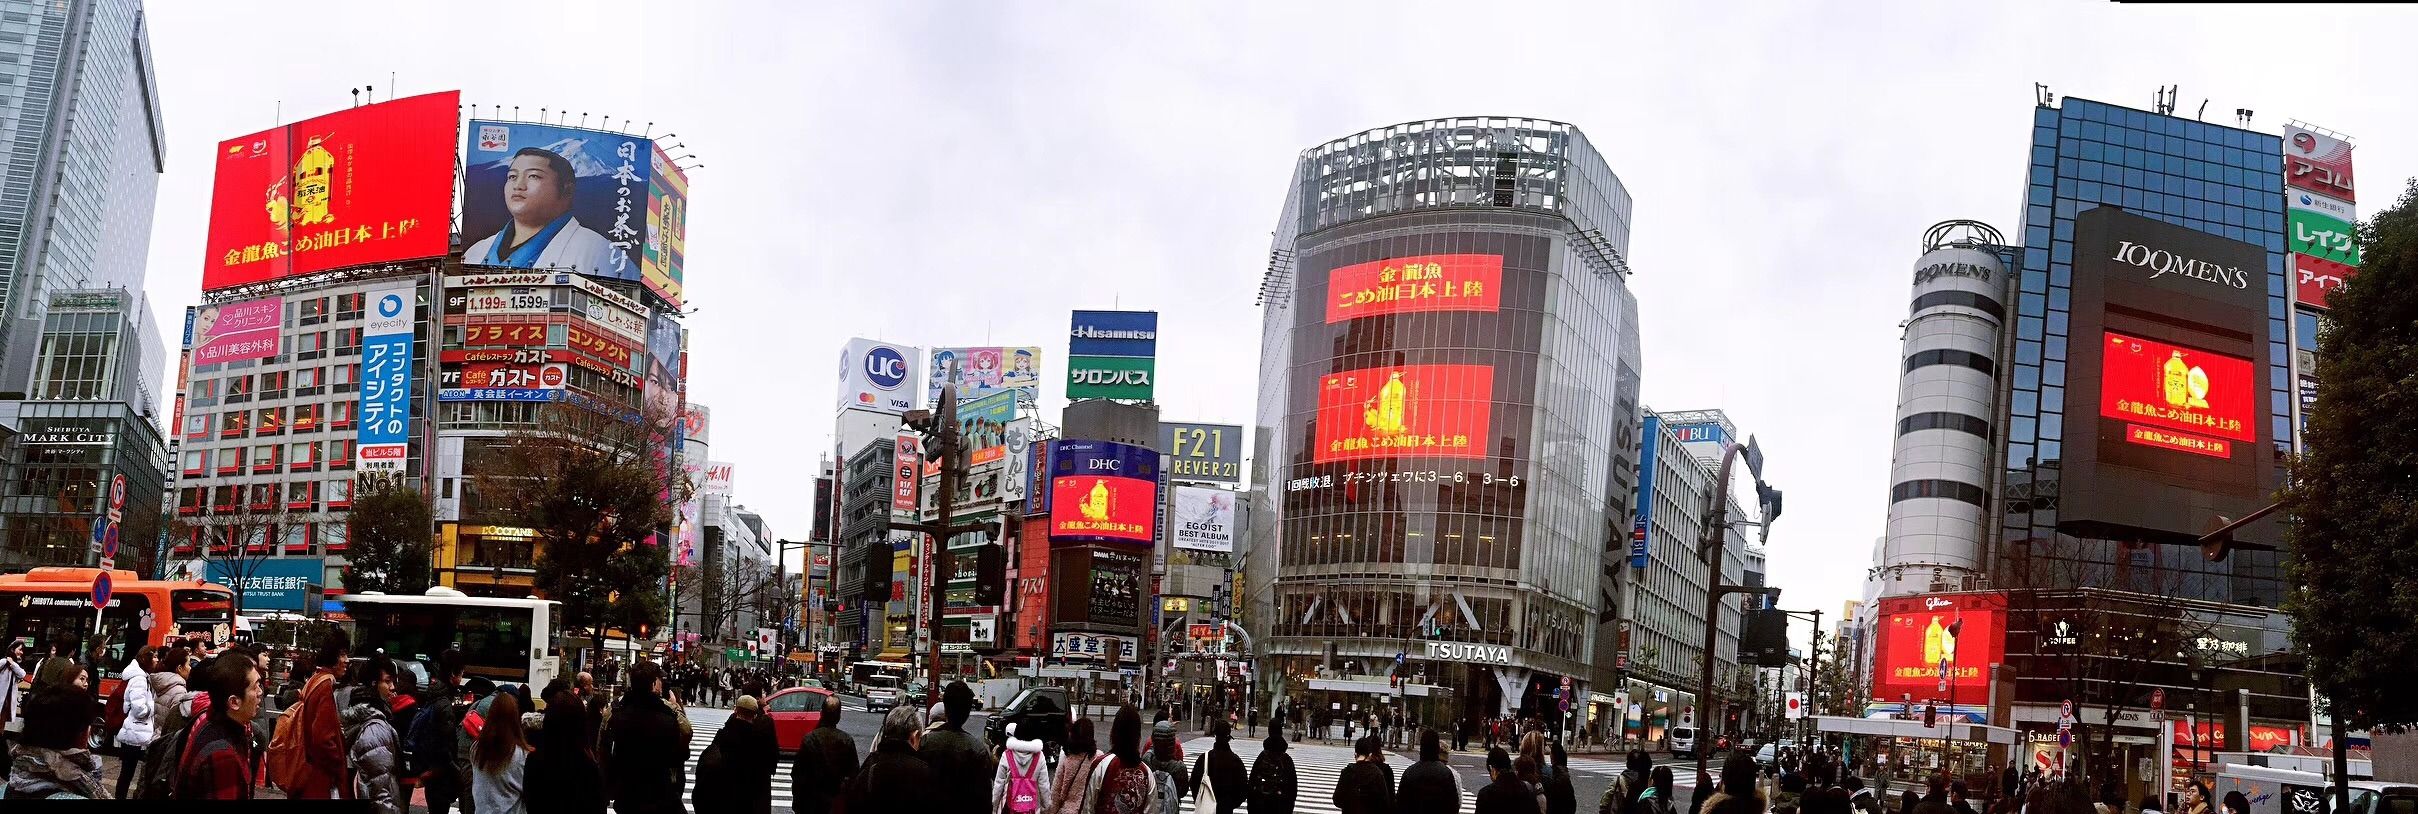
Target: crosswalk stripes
(701,734)
(1316,767)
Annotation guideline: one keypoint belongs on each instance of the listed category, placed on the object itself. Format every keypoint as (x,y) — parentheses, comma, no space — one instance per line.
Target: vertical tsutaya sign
(384,434)
(1202,453)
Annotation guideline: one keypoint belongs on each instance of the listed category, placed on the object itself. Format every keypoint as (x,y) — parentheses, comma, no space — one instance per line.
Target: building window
(1965,299)
(1949,489)
(311,311)
(302,456)
(1944,421)
(272,385)
(196,461)
(340,414)
(1952,357)
(305,380)
(239,389)
(340,454)
(348,306)
(340,493)
(348,341)
(342,376)
(197,425)
(264,458)
(334,536)
(234,424)
(272,421)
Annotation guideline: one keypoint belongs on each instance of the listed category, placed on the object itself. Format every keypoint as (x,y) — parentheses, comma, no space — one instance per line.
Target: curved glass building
(1448,420)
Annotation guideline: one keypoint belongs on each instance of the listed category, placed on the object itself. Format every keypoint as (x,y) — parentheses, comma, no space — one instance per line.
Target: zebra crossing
(1316,767)
(704,722)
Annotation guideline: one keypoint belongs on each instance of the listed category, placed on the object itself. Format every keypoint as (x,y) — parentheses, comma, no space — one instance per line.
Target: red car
(795,712)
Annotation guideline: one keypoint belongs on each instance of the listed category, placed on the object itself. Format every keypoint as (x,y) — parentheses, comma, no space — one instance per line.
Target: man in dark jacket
(645,750)
(1429,786)
(826,759)
(1222,769)
(1507,794)
(959,759)
(893,777)
(1366,786)
(219,761)
(736,775)
(1273,784)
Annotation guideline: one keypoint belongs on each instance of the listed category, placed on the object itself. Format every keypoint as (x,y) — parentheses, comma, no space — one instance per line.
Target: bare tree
(234,541)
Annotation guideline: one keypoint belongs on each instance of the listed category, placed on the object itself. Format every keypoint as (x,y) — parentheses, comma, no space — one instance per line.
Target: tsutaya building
(1448,342)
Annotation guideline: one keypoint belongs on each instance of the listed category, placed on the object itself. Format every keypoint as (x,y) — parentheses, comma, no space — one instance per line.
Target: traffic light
(1930,715)
(645,630)
(990,574)
(874,559)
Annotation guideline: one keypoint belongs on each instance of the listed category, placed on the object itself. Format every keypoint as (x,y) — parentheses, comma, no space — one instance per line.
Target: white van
(1683,741)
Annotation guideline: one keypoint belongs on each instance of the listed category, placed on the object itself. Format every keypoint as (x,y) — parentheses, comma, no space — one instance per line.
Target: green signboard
(735,654)
(2320,235)
(1110,377)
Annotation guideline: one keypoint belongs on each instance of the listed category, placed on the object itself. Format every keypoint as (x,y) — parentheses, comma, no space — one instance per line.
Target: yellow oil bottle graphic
(2185,384)
(1388,413)
(314,183)
(1938,644)
(1095,505)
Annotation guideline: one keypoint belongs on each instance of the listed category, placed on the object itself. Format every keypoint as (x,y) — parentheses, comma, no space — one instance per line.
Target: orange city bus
(47,603)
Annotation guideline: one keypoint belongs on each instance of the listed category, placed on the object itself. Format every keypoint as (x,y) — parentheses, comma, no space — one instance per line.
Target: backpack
(427,740)
(1125,789)
(114,712)
(1169,801)
(287,761)
(1024,790)
(1272,779)
(163,762)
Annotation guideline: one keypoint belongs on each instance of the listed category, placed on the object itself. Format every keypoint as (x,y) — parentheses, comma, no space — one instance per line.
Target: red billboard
(1408,410)
(1915,638)
(370,184)
(1104,507)
(2152,383)
(2318,162)
(2318,277)
(1409,285)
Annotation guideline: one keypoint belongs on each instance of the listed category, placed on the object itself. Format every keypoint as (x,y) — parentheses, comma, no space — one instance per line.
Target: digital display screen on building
(1919,635)
(369,184)
(1103,491)
(1408,285)
(2153,383)
(1404,411)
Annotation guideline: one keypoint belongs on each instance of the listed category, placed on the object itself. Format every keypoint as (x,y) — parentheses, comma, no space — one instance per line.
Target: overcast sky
(954,173)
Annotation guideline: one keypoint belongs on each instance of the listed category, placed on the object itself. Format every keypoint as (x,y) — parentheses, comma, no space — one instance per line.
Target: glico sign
(1922,636)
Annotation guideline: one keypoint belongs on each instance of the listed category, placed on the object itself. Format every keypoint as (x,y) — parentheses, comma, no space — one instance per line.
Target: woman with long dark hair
(1072,777)
(564,776)
(501,757)
(1122,783)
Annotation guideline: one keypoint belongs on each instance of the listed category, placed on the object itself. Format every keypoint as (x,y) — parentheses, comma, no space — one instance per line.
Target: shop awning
(1370,687)
(1892,728)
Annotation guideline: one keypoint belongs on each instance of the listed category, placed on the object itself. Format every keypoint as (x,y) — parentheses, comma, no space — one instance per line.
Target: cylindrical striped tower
(1939,472)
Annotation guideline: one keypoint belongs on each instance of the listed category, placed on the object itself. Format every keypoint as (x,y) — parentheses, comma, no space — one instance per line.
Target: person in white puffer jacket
(1023,758)
(137,730)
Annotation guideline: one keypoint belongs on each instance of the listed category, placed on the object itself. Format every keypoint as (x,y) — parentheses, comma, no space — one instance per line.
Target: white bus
(505,640)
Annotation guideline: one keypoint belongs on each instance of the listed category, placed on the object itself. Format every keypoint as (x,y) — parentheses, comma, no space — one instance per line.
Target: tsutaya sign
(1477,653)
(2161,262)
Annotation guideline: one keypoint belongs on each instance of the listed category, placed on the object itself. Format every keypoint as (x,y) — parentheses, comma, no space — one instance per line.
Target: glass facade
(1448,396)
(54,476)
(2220,180)
(81,150)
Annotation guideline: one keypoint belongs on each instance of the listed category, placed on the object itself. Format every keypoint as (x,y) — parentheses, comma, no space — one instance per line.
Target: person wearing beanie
(1429,786)
(961,762)
(1366,786)
(1167,758)
(1274,786)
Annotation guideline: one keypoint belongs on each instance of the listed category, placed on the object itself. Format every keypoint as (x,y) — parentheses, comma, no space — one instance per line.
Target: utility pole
(941,438)
(1709,547)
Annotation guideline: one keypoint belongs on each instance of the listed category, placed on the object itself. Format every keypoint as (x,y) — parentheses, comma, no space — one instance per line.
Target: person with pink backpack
(1022,783)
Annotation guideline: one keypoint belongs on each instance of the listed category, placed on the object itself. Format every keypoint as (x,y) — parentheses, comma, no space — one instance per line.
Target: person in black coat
(825,761)
(1560,798)
(1222,769)
(1429,786)
(961,761)
(562,776)
(1366,786)
(1274,786)
(1507,794)
(645,749)
(893,777)
(737,774)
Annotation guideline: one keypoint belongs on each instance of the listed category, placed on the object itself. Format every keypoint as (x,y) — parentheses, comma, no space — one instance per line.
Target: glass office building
(2224,181)
(81,151)
(1449,417)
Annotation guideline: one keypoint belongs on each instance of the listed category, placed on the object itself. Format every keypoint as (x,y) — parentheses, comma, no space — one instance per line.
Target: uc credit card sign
(1103,491)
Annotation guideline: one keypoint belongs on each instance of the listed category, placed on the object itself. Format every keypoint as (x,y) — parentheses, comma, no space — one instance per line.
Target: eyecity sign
(2161,262)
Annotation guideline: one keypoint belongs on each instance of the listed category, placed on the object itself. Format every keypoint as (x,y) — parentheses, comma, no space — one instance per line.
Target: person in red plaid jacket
(219,761)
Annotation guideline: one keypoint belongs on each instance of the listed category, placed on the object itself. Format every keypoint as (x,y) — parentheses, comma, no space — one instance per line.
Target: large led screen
(1916,642)
(1407,285)
(1402,411)
(370,184)
(2152,383)
(1103,491)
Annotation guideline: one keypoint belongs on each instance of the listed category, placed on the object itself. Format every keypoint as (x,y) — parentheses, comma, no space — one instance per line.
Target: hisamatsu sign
(2161,262)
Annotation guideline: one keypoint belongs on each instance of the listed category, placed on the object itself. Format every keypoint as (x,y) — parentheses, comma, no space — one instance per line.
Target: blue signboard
(1109,458)
(501,394)
(1693,433)
(1645,493)
(1114,333)
(1036,492)
(275,583)
(386,368)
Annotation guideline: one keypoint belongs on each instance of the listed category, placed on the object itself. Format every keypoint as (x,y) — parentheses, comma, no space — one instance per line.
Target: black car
(1038,712)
